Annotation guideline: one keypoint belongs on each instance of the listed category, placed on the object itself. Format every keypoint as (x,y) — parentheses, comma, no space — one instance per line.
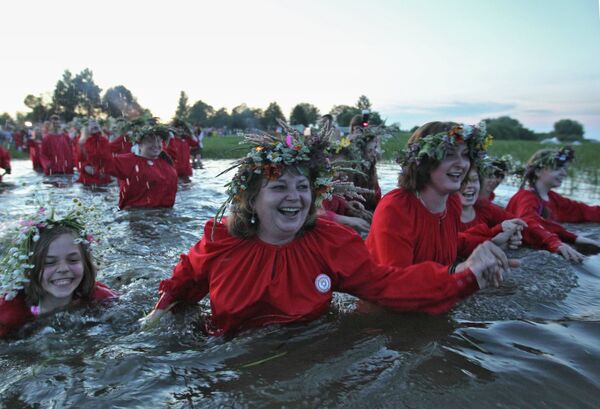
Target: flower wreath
(435,146)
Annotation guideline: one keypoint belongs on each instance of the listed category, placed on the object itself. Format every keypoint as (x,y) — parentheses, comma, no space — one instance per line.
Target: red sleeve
(191,141)
(189,281)
(474,236)
(423,287)
(390,241)
(103,292)
(45,152)
(540,232)
(4,158)
(122,165)
(567,210)
(336,204)
(13,314)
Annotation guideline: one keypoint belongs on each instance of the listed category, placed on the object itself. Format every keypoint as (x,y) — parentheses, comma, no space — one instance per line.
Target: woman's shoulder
(14,311)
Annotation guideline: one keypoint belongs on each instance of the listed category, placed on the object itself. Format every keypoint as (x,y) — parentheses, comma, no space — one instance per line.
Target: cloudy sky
(417,60)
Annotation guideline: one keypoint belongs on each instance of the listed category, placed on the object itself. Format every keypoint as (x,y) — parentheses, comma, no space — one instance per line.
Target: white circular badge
(323,283)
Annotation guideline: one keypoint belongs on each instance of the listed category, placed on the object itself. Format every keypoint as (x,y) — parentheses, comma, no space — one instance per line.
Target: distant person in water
(56,152)
(178,148)
(543,209)
(5,167)
(147,179)
(95,159)
(49,268)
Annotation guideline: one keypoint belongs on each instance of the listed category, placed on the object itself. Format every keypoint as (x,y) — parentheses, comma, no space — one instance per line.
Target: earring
(253,219)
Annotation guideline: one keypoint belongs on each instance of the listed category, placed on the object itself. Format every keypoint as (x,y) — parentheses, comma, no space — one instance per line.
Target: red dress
(120,145)
(56,154)
(179,150)
(405,232)
(252,283)
(544,216)
(144,182)
(4,160)
(96,153)
(333,206)
(34,154)
(15,313)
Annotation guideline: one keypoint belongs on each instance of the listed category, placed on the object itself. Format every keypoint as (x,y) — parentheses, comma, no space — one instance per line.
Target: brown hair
(239,220)
(34,291)
(414,177)
(536,162)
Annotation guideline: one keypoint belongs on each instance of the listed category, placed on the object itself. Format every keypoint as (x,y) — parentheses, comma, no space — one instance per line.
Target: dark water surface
(534,342)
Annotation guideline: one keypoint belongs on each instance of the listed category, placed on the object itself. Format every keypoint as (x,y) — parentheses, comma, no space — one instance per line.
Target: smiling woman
(273,262)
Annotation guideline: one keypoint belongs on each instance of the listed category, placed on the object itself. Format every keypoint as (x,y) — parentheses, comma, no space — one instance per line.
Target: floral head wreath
(270,154)
(553,158)
(354,144)
(16,262)
(435,146)
(181,127)
(138,128)
(501,166)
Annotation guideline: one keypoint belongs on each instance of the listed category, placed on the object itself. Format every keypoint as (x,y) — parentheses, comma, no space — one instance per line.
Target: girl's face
(552,178)
(449,174)
(490,183)
(470,191)
(63,268)
(282,206)
(372,151)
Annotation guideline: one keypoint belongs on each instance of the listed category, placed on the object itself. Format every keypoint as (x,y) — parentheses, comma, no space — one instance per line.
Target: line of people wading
(291,230)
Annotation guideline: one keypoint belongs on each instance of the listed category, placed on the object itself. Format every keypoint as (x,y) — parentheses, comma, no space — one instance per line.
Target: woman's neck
(50,303)
(434,201)
(542,190)
(467,214)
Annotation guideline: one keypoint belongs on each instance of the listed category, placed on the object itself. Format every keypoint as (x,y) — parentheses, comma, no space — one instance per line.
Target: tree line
(78,95)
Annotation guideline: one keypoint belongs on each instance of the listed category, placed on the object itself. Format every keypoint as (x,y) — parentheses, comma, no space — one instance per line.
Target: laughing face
(282,206)
(63,268)
(552,178)
(151,146)
(470,190)
(449,174)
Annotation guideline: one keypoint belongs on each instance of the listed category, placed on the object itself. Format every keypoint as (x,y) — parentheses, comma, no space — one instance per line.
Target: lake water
(531,343)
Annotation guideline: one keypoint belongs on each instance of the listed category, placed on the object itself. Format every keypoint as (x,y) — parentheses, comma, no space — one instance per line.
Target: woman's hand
(151,320)
(358,224)
(570,253)
(89,170)
(488,263)
(513,224)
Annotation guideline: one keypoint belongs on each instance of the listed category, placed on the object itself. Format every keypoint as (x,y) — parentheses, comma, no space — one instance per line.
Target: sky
(416,60)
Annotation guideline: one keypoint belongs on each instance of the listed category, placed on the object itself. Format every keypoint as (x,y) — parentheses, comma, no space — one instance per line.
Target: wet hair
(33,290)
(414,177)
(239,220)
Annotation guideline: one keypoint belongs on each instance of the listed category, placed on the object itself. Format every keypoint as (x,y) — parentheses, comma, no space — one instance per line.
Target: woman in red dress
(420,221)
(544,210)
(56,152)
(4,162)
(95,158)
(271,261)
(148,179)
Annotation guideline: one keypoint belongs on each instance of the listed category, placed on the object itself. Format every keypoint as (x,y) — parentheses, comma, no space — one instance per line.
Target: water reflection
(531,343)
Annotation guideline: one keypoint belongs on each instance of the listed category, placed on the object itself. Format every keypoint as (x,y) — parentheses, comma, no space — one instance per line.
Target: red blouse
(4,160)
(405,232)
(179,150)
(252,283)
(34,155)
(96,153)
(15,313)
(120,145)
(544,216)
(56,154)
(144,182)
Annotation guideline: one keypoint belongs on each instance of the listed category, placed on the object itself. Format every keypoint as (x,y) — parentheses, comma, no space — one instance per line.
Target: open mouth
(62,282)
(468,195)
(455,176)
(289,211)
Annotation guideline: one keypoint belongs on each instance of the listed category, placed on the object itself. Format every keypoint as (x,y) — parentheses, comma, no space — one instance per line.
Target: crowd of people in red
(292,235)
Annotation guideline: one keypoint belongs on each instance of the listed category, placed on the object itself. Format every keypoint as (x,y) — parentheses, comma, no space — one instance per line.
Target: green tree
(200,113)
(40,110)
(304,114)
(271,115)
(183,109)
(88,93)
(343,114)
(568,130)
(220,119)
(119,102)
(363,103)
(506,127)
(6,119)
(65,98)
(244,117)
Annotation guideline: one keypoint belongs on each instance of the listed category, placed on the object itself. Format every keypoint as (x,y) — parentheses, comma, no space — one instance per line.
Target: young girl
(178,149)
(148,179)
(50,268)
(543,209)
(420,221)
